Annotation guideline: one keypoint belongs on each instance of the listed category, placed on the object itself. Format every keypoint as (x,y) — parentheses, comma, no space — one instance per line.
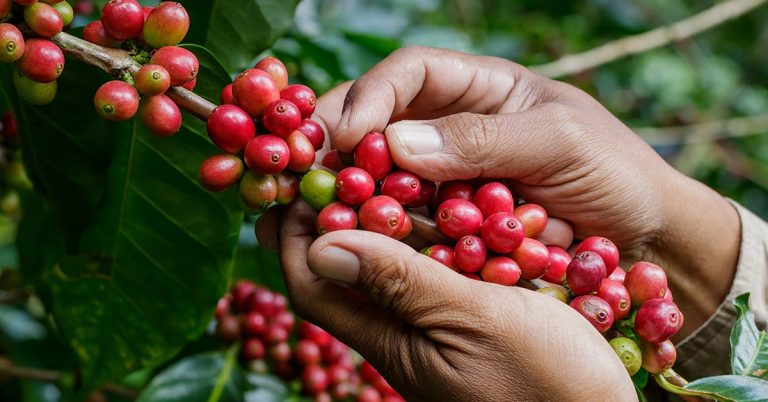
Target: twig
(661,36)
(705,132)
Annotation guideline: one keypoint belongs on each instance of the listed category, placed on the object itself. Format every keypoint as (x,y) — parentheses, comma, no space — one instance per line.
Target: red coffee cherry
(461,189)
(470,253)
(503,233)
(372,155)
(307,330)
(501,270)
(254,90)
(42,60)
(43,19)
(331,161)
(302,97)
(264,301)
(11,43)
(166,25)
(302,152)
(223,306)
(492,198)
(181,64)
(585,273)
(534,218)
(220,172)
(152,80)
(595,310)
(457,218)
(645,281)
(604,248)
(314,133)
(253,349)
(280,352)
(227,98)
(267,154)
(427,193)
(9,128)
(281,118)
(401,185)
(242,293)
(254,323)
(5,7)
(123,19)
(308,353)
(95,33)
(228,328)
(338,374)
(230,128)
(116,101)
(405,230)
(658,357)
(368,394)
(533,258)
(161,115)
(314,380)
(617,296)
(382,214)
(619,274)
(276,69)
(257,191)
(558,264)
(442,254)
(83,7)
(336,216)
(354,186)
(287,188)
(658,320)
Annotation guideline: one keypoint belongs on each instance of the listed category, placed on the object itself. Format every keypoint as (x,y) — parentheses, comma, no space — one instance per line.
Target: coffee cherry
(152,80)
(34,92)
(11,43)
(331,161)
(556,291)
(310,331)
(534,218)
(629,354)
(457,218)
(301,151)
(558,264)
(470,253)
(220,172)
(617,297)
(354,186)
(302,97)
(604,248)
(166,25)
(43,19)
(318,188)
(190,86)
(334,352)
(618,275)
(461,189)
(254,90)
(533,258)
(308,353)
(5,7)
(382,214)
(585,273)
(95,33)
(228,328)
(336,216)
(264,301)
(372,155)
(659,357)
(25,3)
(658,320)
(401,185)
(258,191)
(254,323)
(595,310)
(227,98)
(9,128)
(281,117)
(65,11)
(287,188)
(161,115)
(267,154)
(223,306)
(253,349)
(284,319)
(501,270)
(645,281)
(42,61)
(123,19)
(314,133)
(427,193)
(314,380)
(502,231)
(492,198)
(276,69)
(230,128)
(116,101)
(181,64)
(280,352)
(242,293)
(405,230)
(338,374)
(442,254)
(83,7)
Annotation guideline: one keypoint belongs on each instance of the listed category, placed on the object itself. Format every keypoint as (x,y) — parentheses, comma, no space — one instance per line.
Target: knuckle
(387,283)
(567,121)
(475,137)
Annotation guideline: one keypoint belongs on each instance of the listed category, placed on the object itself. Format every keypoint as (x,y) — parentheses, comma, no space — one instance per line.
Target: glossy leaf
(732,388)
(749,345)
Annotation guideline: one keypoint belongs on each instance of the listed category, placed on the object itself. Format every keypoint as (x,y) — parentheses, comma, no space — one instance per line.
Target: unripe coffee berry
(336,216)
(318,188)
(585,273)
(65,11)
(372,155)
(645,281)
(166,25)
(95,33)
(122,19)
(34,92)
(470,253)
(314,133)
(116,101)
(629,354)
(494,197)
(533,258)
(161,115)
(534,218)
(11,43)
(604,248)
(595,310)
(287,188)
(401,185)
(43,19)
(461,189)
(457,218)
(558,264)
(658,320)
(354,185)
(258,191)
(281,117)
(501,270)
(617,297)
(220,172)
(181,64)
(230,128)
(659,357)
(42,60)
(442,254)
(302,97)
(382,214)
(302,152)
(502,232)
(254,90)
(227,98)
(267,154)
(427,193)
(152,80)
(276,69)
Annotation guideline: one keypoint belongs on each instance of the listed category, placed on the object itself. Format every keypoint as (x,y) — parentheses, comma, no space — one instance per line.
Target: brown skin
(427,328)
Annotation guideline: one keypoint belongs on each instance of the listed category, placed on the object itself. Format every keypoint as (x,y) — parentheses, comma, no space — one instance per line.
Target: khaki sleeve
(706,351)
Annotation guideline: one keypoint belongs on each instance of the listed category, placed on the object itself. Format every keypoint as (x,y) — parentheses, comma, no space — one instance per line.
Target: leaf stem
(672,382)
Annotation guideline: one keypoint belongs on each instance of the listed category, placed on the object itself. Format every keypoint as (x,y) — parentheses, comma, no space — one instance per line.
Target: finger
(266,228)
(328,109)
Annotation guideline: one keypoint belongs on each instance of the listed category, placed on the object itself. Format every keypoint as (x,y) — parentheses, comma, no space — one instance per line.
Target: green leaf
(749,346)
(732,388)
(266,388)
(238,30)
(640,379)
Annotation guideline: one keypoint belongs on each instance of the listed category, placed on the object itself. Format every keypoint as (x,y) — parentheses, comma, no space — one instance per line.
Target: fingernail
(337,264)
(416,139)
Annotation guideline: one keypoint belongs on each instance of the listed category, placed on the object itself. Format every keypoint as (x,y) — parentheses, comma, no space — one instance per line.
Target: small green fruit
(318,188)
(36,93)
(258,191)
(629,353)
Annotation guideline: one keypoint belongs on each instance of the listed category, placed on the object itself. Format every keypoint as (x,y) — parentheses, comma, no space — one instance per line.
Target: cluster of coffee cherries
(327,369)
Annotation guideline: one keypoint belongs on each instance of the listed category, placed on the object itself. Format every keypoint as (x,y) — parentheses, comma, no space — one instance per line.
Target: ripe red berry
(427,193)
(338,374)
(257,191)
(267,154)
(617,297)
(401,185)
(223,306)
(8,124)
(230,128)
(405,230)
(166,25)
(42,60)
(314,133)
(5,7)
(308,352)
(336,216)
(94,32)
(585,273)
(254,323)
(161,115)
(462,189)
(595,310)
(533,258)
(264,301)
(228,328)
(253,349)
(284,319)
(227,98)
(503,233)
(116,101)
(470,253)
(558,264)
(152,80)
(658,357)
(301,151)
(83,7)
(242,293)
(281,117)
(181,64)
(43,19)
(122,19)
(276,69)
(645,281)
(501,270)
(442,254)
(354,185)
(280,352)
(457,218)
(307,330)
(618,275)
(11,43)
(368,394)
(658,320)
(494,197)
(302,97)
(220,172)
(604,248)
(331,161)
(314,380)
(372,155)
(534,218)
(287,188)
(382,214)
(334,352)
(254,90)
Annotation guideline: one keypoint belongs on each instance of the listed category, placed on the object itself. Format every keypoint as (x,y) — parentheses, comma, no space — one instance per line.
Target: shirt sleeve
(706,351)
